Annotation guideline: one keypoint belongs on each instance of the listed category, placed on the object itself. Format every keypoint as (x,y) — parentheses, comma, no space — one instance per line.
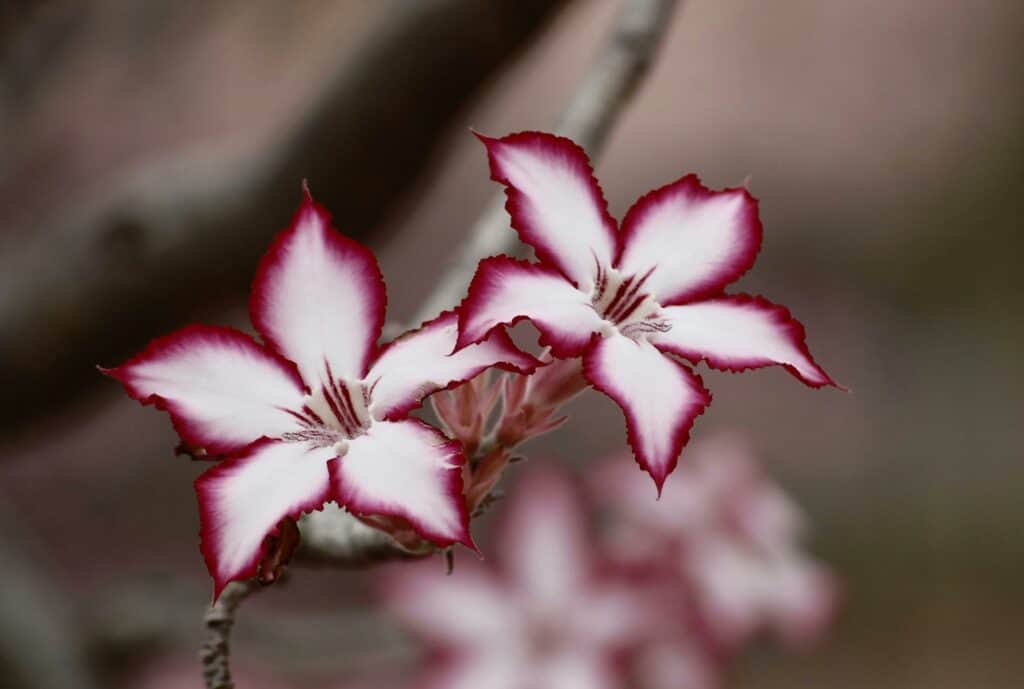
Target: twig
(215,653)
(605,90)
(331,535)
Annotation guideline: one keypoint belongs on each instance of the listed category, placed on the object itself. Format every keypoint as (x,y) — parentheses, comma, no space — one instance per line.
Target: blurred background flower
(668,597)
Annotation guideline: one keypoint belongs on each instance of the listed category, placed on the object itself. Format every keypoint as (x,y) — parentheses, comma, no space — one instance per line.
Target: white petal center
(625,305)
(336,411)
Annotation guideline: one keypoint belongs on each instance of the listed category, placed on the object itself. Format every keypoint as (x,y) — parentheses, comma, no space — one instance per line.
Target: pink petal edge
(679,433)
(563,344)
(186,429)
(517,202)
(273,260)
(515,361)
(742,249)
(208,538)
(347,496)
(791,328)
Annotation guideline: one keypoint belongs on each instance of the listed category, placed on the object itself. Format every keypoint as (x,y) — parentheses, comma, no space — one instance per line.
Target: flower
(549,616)
(629,299)
(318,412)
(732,536)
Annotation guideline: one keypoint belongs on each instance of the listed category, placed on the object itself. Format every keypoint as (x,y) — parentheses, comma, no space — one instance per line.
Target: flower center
(621,300)
(335,412)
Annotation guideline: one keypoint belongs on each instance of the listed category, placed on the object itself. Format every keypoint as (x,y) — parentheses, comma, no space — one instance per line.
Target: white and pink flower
(548,616)
(731,537)
(631,298)
(318,411)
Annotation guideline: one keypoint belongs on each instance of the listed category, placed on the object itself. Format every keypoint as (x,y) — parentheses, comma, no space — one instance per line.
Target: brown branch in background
(331,535)
(215,653)
(96,283)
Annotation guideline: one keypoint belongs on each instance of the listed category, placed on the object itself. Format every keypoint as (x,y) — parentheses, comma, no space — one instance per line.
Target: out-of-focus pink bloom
(547,617)
(675,663)
(731,536)
(630,299)
(317,411)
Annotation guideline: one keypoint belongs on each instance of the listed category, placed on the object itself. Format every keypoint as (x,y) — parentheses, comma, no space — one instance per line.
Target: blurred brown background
(148,151)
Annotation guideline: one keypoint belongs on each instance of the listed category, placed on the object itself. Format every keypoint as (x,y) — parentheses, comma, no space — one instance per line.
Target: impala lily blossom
(550,615)
(625,297)
(318,412)
(733,536)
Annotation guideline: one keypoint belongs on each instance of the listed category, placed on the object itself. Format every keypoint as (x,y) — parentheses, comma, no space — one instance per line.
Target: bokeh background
(148,151)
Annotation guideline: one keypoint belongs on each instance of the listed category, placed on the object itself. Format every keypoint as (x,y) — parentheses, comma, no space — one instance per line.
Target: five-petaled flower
(318,412)
(549,615)
(625,297)
(733,540)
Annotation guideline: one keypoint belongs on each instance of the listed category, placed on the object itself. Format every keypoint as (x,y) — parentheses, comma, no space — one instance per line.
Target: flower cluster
(665,599)
(726,538)
(316,411)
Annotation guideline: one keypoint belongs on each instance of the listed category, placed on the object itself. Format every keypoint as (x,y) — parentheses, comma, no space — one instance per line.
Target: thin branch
(337,538)
(215,653)
(595,106)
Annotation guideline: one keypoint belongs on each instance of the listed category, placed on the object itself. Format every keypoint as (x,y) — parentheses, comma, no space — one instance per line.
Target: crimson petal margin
(406,469)
(319,296)
(661,398)
(740,332)
(221,389)
(242,500)
(420,362)
(554,202)
(696,240)
(505,290)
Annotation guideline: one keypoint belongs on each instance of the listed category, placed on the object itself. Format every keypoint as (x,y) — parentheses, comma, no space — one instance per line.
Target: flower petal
(677,662)
(575,668)
(543,541)
(222,390)
(696,240)
(806,604)
(497,667)
(554,202)
(739,332)
(318,297)
(420,362)
(241,501)
(468,608)
(660,397)
(406,469)
(505,290)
